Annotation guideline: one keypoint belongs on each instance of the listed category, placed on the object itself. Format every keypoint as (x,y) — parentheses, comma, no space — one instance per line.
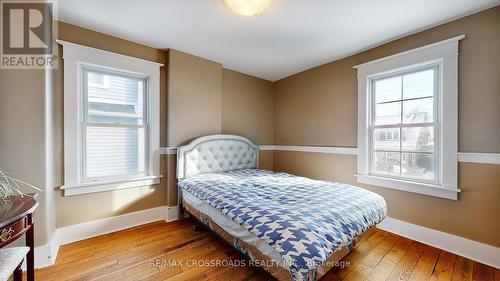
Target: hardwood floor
(166,251)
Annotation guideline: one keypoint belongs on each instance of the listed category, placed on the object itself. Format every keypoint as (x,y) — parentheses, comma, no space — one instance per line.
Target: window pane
(386,163)
(388,113)
(114,99)
(388,89)
(386,139)
(418,84)
(418,111)
(418,139)
(418,166)
(95,79)
(115,151)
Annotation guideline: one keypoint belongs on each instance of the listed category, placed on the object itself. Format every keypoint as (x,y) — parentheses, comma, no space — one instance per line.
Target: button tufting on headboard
(216,153)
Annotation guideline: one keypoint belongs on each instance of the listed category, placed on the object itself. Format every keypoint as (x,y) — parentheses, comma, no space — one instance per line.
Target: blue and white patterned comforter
(304,220)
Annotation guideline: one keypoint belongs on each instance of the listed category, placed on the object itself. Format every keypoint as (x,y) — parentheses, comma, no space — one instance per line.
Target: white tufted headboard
(216,153)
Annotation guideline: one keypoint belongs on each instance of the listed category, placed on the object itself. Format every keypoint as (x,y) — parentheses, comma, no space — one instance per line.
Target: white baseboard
(172,213)
(77,232)
(45,255)
(470,249)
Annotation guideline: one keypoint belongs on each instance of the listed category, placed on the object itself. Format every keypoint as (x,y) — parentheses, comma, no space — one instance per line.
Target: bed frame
(222,153)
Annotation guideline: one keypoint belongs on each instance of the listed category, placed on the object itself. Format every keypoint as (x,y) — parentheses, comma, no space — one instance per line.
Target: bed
(295,227)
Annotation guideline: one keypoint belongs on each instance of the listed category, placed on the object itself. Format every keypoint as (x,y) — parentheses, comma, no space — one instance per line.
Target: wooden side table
(16,218)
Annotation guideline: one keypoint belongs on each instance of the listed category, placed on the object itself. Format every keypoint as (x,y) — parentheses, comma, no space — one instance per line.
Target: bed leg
(197,227)
(181,212)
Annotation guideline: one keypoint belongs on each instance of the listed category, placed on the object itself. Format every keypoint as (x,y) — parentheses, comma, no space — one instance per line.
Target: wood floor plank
(369,233)
(390,260)
(143,269)
(463,269)
(138,253)
(132,259)
(408,262)
(426,264)
(200,272)
(496,274)
(164,273)
(444,267)
(330,276)
(358,253)
(360,270)
(482,272)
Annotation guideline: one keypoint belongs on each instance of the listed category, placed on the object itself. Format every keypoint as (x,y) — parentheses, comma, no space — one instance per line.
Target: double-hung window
(115,123)
(407,120)
(404,125)
(111,120)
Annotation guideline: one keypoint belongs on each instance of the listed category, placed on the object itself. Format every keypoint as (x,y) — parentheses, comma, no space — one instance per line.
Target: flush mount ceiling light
(248,7)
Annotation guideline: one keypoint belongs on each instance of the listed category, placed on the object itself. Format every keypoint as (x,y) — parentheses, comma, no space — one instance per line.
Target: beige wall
(195,94)
(22,140)
(266,160)
(204,98)
(91,38)
(194,97)
(171,168)
(82,208)
(247,106)
(319,107)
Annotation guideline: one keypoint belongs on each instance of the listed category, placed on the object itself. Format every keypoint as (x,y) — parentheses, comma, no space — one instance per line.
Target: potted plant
(9,186)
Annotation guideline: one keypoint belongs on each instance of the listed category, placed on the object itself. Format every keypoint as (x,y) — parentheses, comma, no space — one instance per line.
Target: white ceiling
(291,36)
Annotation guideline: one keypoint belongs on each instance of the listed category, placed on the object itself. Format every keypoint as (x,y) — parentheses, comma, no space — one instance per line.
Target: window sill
(109,185)
(415,187)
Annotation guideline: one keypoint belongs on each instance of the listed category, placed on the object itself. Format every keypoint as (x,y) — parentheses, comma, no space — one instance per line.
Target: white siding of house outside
(115,129)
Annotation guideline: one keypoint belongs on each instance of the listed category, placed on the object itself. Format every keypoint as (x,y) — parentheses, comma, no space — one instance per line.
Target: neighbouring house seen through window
(404,125)
(115,125)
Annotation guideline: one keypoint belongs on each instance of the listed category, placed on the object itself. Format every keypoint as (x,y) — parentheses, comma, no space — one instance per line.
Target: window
(407,123)
(404,125)
(111,121)
(114,125)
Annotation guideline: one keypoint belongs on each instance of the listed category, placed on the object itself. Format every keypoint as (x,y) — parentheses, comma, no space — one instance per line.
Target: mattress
(304,221)
(231,227)
(270,264)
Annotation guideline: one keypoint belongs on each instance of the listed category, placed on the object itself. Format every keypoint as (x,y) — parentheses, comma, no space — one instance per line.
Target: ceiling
(291,36)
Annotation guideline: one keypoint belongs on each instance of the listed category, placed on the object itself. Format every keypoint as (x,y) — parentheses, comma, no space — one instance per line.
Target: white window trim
(446,53)
(75,56)
(85,179)
(436,66)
